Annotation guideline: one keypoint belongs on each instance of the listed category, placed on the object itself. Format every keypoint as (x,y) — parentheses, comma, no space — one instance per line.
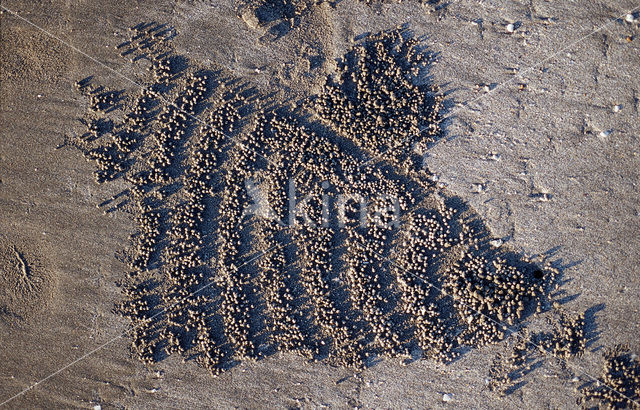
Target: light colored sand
(547,137)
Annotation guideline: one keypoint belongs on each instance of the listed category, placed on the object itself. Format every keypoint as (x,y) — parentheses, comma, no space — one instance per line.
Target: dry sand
(557,167)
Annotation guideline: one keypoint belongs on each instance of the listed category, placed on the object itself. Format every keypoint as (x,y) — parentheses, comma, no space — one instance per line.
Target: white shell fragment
(604,134)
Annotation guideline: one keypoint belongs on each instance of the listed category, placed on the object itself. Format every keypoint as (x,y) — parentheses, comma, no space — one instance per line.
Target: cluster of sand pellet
(426,237)
(347,270)
(565,340)
(619,384)
(380,100)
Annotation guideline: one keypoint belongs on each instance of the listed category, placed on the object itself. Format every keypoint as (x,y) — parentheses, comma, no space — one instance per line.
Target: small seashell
(604,134)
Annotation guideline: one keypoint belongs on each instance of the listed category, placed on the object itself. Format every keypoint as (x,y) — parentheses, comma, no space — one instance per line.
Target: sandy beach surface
(541,138)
